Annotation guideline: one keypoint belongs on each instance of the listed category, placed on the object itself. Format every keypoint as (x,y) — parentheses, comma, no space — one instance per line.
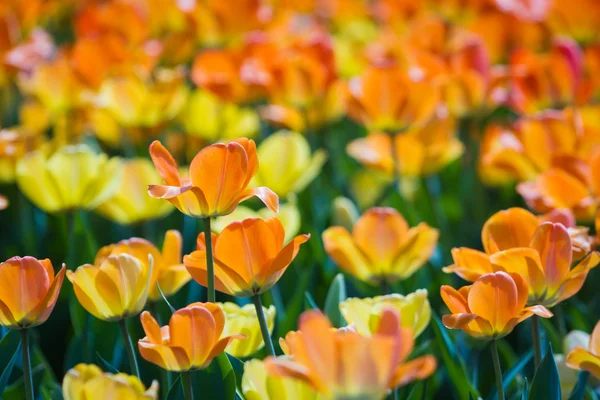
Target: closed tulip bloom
(113,289)
(365,314)
(381,248)
(258,384)
(243,320)
(73,177)
(167,266)
(218,181)
(342,364)
(131,203)
(28,291)
(491,307)
(258,262)
(587,359)
(192,339)
(286,163)
(88,382)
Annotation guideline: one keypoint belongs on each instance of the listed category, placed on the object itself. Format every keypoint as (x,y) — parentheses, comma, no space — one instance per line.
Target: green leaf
(9,353)
(546,383)
(309,302)
(52,391)
(176,390)
(578,391)
(16,391)
(238,369)
(418,391)
(165,298)
(335,295)
(454,364)
(525,391)
(108,366)
(217,381)
(510,375)
(8,369)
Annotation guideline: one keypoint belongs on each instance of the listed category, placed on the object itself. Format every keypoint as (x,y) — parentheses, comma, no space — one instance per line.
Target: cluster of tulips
(127,110)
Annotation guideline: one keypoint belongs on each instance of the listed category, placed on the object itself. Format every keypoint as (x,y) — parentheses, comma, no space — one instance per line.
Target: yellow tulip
(286,164)
(73,177)
(88,382)
(288,215)
(568,376)
(243,320)
(414,310)
(131,203)
(113,289)
(258,384)
(345,213)
(15,143)
(206,116)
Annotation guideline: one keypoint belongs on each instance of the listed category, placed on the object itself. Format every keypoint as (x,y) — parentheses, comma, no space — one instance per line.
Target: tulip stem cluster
(264,329)
(186,381)
(497,369)
(537,340)
(210,268)
(26,365)
(133,365)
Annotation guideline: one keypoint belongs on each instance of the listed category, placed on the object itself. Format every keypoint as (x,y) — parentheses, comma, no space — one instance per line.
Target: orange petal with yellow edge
(508,229)
(165,164)
(469,264)
(227,280)
(494,297)
(264,194)
(44,309)
(419,368)
(525,262)
(340,246)
(553,243)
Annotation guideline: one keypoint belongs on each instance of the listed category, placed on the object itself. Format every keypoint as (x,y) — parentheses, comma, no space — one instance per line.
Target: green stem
(537,340)
(165,382)
(264,329)
(560,319)
(26,365)
(133,365)
(186,381)
(210,266)
(497,369)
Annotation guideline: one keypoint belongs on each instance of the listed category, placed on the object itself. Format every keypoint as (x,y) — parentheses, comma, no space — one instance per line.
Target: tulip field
(299,199)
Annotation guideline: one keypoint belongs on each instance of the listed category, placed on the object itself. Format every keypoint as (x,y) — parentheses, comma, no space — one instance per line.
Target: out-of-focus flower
(218,182)
(131,202)
(286,163)
(14,144)
(587,360)
(260,260)
(419,152)
(385,98)
(258,384)
(345,213)
(381,248)
(73,177)
(578,19)
(319,354)
(115,288)
(367,187)
(87,381)
(364,314)
(534,11)
(569,376)
(490,307)
(288,215)
(28,291)
(210,118)
(243,320)
(192,339)
(3,202)
(168,270)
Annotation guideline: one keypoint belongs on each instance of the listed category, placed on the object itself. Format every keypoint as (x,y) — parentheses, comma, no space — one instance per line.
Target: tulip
(257,384)
(192,339)
(15,144)
(365,314)
(381,248)
(286,163)
(87,381)
(578,19)
(3,202)
(73,177)
(244,320)
(168,270)
(568,376)
(130,204)
(340,364)
(491,307)
(587,360)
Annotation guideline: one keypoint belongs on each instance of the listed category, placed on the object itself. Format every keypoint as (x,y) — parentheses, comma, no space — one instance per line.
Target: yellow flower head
(87,381)
(258,384)
(243,320)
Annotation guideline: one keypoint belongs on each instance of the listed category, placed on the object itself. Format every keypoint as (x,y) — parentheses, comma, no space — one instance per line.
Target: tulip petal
(264,194)
(417,369)
(151,328)
(171,250)
(227,280)
(283,259)
(285,367)
(374,152)
(340,246)
(417,249)
(553,243)
(458,321)
(469,264)
(44,309)
(171,358)
(193,329)
(577,276)
(165,164)
(508,229)
(84,285)
(525,262)
(454,300)
(582,359)
(495,298)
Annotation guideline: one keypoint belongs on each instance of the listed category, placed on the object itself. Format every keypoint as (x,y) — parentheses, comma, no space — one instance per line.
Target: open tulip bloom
(587,359)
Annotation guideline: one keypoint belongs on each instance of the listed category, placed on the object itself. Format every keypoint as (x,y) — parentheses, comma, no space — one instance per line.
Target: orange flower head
(381,248)
(218,181)
(587,360)
(168,269)
(259,259)
(28,291)
(190,341)
(490,307)
(342,364)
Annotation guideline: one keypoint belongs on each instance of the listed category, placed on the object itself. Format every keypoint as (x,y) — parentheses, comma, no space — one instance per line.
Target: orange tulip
(490,307)
(257,263)
(168,269)
(381,248)
(578,19)
(587,360)
(219,179)
(28,291)
(343,364)
(384,98)
(190,341)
